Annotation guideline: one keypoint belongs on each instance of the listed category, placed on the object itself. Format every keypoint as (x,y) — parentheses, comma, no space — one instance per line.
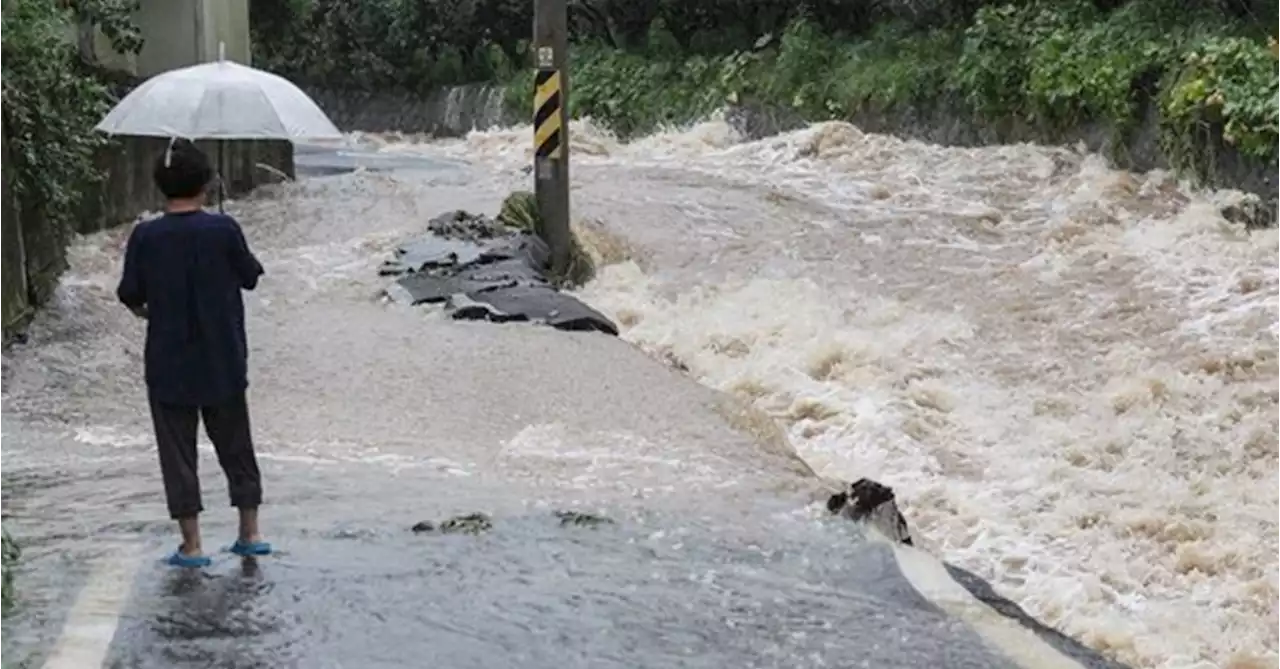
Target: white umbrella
(219,100)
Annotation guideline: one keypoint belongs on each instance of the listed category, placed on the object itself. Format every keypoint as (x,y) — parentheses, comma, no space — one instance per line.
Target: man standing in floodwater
(183,272)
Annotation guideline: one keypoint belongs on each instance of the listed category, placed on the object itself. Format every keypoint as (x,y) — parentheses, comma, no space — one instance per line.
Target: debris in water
(482,269)
(872,503)
(472,523)
(673,361)
(466,226)
(580,519)
(1249,211)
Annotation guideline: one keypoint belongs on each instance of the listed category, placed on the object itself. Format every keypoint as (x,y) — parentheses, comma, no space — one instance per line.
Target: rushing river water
(1068,373)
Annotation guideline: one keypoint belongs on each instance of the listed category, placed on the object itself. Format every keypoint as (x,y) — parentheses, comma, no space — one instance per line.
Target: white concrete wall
(170,33)
(179,33)
(226,22)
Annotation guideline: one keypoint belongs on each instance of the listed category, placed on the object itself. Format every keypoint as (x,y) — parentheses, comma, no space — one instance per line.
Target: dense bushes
(1050,66)
(1225,85)
(416,45)
(53,99)
(390,44)
(1207,65)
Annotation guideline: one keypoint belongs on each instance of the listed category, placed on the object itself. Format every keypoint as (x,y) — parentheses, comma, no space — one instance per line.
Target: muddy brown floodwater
(1067,373)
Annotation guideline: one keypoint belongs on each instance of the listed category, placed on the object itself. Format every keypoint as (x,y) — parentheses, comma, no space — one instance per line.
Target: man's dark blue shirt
(187,269)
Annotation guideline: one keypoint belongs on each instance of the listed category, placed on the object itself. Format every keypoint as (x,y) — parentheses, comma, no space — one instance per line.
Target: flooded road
(1067,373)
(371,417)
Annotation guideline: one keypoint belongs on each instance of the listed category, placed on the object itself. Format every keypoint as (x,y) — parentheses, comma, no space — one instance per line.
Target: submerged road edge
(929,576)
(1000,623)
(92,621)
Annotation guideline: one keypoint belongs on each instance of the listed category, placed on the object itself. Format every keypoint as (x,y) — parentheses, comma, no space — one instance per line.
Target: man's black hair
(182,170)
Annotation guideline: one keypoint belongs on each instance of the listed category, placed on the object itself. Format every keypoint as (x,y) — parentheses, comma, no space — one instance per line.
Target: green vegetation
(1051,68)
(9,553)
(412,45)
(1207,66)
(53,98)
(1226,84)
(520,212)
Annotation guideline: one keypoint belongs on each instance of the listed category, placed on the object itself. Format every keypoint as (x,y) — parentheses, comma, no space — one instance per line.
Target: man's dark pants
(227,425)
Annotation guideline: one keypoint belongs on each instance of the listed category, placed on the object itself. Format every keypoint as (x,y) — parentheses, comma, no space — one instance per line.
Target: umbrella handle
(222,185)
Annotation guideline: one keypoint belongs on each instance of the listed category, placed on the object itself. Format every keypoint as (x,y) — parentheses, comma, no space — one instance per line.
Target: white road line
(931,579)
(92,621)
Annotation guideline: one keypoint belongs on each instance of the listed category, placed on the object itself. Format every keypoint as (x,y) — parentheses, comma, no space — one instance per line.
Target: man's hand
(140,312)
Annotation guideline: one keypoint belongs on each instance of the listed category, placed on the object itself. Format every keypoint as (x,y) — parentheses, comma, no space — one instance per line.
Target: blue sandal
(180,559)
(250,548)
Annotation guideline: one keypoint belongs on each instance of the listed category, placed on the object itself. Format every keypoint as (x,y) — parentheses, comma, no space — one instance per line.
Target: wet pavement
(756,581)
(649,592)
(372,416)
(703,564)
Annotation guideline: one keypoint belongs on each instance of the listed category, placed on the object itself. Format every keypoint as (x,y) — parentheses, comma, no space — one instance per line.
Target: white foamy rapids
(1068,372)
(588,142)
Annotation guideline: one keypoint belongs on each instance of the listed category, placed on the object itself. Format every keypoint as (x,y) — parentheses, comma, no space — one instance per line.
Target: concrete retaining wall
(34,251)
(128,190)
(448,112)
(181,33)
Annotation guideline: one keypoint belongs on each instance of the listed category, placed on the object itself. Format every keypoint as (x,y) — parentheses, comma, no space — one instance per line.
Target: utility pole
(551,126)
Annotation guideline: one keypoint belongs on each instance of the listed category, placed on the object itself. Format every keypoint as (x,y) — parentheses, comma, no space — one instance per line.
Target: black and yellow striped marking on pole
(547,133)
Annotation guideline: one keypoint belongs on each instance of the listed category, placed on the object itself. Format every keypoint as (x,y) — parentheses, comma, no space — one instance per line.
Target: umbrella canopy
(219,100)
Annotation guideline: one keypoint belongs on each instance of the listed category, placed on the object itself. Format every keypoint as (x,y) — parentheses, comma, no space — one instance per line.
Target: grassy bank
(1050,67)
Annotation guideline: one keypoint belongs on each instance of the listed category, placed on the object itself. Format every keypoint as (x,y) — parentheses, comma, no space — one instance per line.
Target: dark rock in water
(580,519)
(872,503)
(424,526)
(1250,212)
(481,270)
